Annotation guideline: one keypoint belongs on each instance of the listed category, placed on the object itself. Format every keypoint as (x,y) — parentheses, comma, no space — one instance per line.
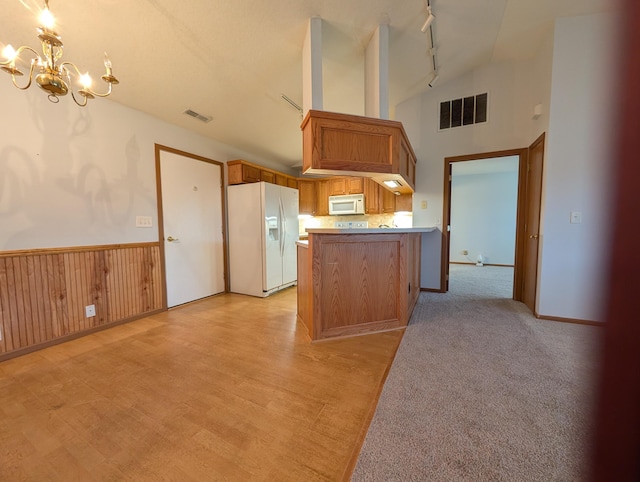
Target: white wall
(510,126)
(72,176)
(578,162)
(573,77)
(483,215)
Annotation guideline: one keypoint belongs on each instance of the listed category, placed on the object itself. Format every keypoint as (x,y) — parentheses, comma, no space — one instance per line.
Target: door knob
(533,236)
(171,239)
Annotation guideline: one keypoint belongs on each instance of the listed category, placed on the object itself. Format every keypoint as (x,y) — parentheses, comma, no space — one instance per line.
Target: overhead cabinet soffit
(342,144)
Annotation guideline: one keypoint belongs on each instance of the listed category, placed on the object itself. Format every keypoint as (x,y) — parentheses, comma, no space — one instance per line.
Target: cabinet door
(307,197)
(388,201)
(268,176)
(322,198)
(404,202)
(281,179)
(356,185)
(371,196)
(250,173)
(292,182)
(337,186)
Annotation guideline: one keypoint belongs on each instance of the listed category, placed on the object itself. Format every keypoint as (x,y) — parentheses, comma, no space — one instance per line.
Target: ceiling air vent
(200,117)
(463,112)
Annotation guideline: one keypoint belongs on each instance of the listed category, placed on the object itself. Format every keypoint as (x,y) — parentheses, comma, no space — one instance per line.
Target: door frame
(518,271)
(158,150)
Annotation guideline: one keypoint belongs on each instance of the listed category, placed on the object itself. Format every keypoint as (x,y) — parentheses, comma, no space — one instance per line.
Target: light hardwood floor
(227,388)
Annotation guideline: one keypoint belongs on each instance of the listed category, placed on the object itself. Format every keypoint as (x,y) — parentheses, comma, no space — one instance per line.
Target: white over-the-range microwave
(346,204)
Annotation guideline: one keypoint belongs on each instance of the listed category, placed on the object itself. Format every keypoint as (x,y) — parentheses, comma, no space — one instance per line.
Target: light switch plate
(144,222)
(576,217)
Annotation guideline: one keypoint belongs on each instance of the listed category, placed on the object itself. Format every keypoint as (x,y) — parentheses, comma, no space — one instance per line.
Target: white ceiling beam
(376,78)
(312,67)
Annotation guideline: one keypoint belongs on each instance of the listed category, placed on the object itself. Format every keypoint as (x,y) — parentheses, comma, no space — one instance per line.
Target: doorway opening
(483,207)
(529,188)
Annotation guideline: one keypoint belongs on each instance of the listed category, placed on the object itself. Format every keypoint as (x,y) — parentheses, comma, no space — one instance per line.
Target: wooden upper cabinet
(345,185)
(242,172)
(281,179)
(268,176)
(322,198)
(388,201)
(371,196)
(404,202)
(342,144)
(337,186)
(307,197)
(355,185)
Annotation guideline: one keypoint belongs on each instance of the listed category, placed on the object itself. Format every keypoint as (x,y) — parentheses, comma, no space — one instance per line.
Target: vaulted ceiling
(233,60)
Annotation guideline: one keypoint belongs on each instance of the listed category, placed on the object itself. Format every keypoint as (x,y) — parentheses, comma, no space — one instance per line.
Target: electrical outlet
(423,204)
(465,252)
(90,311)
(361,224)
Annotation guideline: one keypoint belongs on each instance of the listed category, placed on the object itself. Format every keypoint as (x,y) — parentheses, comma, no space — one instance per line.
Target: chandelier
(53,78)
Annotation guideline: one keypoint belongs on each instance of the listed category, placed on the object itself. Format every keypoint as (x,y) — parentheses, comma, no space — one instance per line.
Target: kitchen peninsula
(357,281)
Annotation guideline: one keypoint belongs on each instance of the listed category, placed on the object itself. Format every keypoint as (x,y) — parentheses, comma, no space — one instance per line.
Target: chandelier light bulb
(9,52)
(46,18)
(85,80)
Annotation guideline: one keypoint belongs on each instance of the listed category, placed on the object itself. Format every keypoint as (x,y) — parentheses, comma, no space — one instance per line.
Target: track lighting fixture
(428,21)
(434,79)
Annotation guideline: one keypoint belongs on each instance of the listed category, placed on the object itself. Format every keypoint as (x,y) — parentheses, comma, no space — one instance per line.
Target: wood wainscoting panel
(44,292)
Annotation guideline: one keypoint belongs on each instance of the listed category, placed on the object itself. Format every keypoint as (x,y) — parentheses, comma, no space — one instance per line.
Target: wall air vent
(200,117)
(464,111)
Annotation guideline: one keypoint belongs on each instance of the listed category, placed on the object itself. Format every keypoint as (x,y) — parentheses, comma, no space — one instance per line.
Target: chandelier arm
(30,76)
(75,99)
(87,90)
(98,94)
(17,55)
(11,63)
(64,68)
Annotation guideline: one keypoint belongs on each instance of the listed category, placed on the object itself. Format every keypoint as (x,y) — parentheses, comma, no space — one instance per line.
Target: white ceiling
(232,59)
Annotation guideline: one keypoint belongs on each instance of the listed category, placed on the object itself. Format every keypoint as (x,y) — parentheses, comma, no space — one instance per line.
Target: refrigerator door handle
(282,228)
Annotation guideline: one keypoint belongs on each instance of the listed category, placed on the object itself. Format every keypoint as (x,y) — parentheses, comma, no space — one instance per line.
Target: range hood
(348,145)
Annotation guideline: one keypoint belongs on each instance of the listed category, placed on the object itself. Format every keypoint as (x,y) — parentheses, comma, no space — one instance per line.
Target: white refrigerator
(263,230)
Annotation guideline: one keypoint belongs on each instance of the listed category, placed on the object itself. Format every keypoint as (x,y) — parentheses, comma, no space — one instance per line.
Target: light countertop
(369,230)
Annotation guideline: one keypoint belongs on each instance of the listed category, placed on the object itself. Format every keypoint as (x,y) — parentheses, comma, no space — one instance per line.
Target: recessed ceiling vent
(200,117)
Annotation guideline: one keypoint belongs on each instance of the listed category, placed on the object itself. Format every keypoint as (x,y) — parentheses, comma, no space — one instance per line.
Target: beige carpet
(481,390)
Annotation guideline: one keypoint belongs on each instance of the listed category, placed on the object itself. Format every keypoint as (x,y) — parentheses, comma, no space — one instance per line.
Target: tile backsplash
(374,220)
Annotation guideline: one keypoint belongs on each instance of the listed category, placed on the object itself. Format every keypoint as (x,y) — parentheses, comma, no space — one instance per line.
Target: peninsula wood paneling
(360,283)
(43,293)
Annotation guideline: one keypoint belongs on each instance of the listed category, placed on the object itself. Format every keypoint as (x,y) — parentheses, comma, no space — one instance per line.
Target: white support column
(376,77)
(312,66)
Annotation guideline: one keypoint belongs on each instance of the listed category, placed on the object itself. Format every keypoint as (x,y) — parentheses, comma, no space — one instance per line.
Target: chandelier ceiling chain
(53,77)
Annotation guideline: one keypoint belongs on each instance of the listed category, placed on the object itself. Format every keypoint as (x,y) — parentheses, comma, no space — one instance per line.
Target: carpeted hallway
(482,390)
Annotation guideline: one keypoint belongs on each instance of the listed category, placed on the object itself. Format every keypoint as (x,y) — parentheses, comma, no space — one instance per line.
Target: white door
(192,227)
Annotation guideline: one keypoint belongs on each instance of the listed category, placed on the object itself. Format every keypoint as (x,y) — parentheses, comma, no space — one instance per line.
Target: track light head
(428,21)
(434,79)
